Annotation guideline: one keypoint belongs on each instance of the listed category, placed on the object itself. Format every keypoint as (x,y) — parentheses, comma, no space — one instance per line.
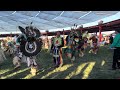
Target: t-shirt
(116,41)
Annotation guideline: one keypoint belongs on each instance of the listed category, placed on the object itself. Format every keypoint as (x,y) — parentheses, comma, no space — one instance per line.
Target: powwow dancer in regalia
(8,46)
(30,45)
(3,45)
(70,51)
(85,37)
(75,45)
(79,46)
(17,59)
(69,44)
(2,56)
(82,44)
(94,44)
(11,47)
(56,50)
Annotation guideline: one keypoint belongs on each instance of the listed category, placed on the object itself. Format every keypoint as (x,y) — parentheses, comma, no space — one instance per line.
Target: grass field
(88,67)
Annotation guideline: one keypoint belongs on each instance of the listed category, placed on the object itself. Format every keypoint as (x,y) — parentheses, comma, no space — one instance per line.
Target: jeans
(116,57)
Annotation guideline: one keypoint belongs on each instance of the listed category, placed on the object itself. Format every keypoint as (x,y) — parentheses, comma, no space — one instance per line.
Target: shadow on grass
(7,73)
(20,75)
(43,72)
(95,72)
(45,61)
(53,74)
(60,74)
(12,71)
(69,73)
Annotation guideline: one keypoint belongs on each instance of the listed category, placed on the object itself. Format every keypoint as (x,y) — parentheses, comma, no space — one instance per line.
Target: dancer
(56,48)
(94,44)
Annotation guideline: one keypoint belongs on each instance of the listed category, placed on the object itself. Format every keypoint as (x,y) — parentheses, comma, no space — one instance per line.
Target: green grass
(88,67)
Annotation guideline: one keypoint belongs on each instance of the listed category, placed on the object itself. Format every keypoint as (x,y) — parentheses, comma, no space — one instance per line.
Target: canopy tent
(52,20)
